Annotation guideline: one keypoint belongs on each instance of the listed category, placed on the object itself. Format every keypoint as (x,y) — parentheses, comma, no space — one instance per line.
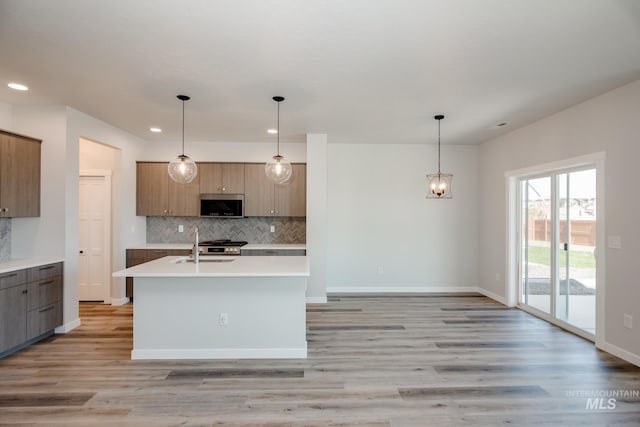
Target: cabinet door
(184,199)
(291,197)
(210,177)
(19,176)
(258,191)
(152,189)
(13,316)
(43,319)
(233,178)
(221,178)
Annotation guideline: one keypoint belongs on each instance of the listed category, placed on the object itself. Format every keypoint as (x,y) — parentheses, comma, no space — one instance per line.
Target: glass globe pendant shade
(439,186)
(278,169)
(182,169)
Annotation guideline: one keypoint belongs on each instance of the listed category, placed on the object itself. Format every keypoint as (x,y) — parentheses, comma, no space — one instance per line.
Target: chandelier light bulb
(278,169)
(182,169)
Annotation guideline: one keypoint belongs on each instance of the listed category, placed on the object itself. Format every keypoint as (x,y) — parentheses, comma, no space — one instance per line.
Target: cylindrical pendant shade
(439,186)
(182,169)
(278,169)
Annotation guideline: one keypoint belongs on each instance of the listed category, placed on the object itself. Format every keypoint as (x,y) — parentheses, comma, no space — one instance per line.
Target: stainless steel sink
(203,259)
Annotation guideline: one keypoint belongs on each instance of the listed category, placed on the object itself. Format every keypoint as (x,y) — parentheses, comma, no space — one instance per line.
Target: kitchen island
(224,307)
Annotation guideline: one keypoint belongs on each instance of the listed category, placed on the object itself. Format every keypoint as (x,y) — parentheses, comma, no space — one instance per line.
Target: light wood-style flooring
(373,361)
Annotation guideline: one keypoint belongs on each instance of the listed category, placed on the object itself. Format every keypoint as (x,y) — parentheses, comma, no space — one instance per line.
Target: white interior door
(94,201)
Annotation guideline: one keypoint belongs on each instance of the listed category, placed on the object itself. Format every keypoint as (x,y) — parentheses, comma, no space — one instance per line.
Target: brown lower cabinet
(30,305)
(140,256)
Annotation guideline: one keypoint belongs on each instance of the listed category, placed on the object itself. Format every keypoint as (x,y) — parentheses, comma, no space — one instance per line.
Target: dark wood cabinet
(140,256)
(30,305)
(274,252)
(19,176)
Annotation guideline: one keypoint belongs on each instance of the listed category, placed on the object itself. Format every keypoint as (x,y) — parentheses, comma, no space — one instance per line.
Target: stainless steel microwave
(222,205)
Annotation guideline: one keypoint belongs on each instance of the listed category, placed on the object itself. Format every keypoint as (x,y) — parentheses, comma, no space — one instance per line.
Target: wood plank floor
(373,361)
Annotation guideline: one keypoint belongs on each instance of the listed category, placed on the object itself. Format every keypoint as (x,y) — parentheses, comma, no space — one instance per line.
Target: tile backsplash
(252,230)
(5,239)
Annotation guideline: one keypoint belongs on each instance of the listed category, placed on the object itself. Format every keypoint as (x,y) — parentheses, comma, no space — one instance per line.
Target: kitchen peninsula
(224,307)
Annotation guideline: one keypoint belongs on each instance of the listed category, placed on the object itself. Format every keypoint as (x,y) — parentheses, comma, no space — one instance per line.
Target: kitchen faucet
(196,248)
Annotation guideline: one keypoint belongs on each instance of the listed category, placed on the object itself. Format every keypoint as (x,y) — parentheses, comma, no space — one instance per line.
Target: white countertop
(247,266)
(189,246)
(21,264)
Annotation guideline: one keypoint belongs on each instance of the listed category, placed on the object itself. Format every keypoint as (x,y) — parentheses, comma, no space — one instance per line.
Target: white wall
(379,219)
(317,217)
(606,123)
(128,229)
(55,232)
(224,151)
(6,119)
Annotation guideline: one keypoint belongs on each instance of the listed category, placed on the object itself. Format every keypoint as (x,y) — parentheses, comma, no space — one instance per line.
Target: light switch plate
(614,242)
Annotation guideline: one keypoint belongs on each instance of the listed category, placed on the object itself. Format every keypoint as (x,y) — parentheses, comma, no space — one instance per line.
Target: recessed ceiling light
(17,86)
(156,130)
(272,131)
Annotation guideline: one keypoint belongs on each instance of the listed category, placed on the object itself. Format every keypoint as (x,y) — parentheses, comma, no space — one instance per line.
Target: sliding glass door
(557,246)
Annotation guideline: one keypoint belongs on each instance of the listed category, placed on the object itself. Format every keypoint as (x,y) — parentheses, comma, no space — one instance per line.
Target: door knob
(81,252)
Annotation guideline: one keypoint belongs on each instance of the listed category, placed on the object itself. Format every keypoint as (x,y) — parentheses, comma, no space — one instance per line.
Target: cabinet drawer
(14,278)
(44,292)
(43,319)
(44,272)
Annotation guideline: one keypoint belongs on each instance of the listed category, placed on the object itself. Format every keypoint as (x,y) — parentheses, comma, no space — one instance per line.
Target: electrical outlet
(628,321)
(497,277)
(380,270)
(272,228)
(223,319)
(180,228)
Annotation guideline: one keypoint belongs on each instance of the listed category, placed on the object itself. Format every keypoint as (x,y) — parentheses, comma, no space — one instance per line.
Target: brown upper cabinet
(159,195)
(221,178)
(264,198)
(19,176)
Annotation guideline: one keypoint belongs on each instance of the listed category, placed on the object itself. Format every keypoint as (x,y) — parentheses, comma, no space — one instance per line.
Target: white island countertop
(222,266)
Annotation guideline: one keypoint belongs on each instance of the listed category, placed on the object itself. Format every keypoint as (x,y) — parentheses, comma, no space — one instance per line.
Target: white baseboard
(621,353)
(119,301)
(316,300)
(495,297)
(399,289)
(221,353)
(67,327)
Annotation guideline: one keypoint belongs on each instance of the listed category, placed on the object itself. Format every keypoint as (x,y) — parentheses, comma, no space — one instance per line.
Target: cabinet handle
(165,211)
(48,282)
(49,267)
(46,309)
(224,189)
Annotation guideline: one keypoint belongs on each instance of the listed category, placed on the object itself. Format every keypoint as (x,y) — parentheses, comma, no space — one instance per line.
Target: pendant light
(182,169)
(439,184)
(278,170)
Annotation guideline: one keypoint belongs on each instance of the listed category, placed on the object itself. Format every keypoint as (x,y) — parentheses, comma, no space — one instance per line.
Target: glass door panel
(576,249)
(535,250)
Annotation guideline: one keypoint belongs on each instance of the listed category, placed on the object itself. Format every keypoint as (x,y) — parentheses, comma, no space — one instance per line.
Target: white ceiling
(358,70)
